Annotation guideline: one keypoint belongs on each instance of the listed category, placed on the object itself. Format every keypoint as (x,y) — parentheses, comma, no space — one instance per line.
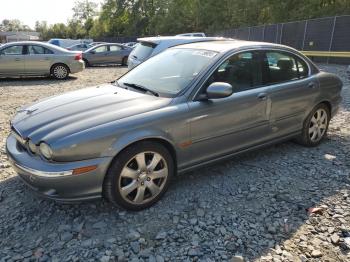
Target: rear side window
(38,50)
(283,67)
(242,71)
(143,50)
(114,48)
(13,50)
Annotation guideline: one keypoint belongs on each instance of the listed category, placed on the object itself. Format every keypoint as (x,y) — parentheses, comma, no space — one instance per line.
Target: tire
(87,64)
(125,61)
(315,126)
(139,176)
(60,71)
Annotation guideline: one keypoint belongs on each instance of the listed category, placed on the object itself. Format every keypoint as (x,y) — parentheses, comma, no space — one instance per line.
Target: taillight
(78,57)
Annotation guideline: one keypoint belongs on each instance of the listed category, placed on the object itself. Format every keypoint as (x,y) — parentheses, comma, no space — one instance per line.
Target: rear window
(143,50)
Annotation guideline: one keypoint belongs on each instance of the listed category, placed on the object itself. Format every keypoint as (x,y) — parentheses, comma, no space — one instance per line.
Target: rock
(66,236)
(28,254)
(87,243)
(200,212)
(105,259)
(193,221)
(193,252)
(237,259)
(161,235)
(99,225)
(133,235)
(135,247)
(335,239)
(316,253)
(159,258)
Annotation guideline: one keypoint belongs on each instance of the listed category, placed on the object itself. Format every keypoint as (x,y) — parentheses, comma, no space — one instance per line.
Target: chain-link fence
(329,34)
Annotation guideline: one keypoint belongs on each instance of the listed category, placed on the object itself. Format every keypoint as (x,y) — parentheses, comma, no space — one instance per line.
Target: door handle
(262,96)
(17,59)
(311,85)
(46,58)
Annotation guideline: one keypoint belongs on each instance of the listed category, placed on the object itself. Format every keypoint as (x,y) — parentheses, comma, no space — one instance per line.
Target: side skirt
(230,155)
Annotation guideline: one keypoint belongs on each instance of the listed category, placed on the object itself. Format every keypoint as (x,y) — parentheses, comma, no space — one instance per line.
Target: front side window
(13,50)
(101,49)
(38,50)
(283,67)
(170,71)
(242,71)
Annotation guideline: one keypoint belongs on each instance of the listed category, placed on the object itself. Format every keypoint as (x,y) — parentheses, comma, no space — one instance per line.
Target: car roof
(45,44)
(226,45)
(177,39)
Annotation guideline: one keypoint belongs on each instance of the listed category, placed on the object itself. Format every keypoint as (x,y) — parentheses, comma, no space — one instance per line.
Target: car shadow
(29,81)
(249,205)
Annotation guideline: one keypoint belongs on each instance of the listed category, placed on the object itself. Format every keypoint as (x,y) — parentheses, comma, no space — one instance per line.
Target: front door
(223,126)
(12,60)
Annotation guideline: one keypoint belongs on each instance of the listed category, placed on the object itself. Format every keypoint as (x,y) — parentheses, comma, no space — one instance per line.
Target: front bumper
(55,180)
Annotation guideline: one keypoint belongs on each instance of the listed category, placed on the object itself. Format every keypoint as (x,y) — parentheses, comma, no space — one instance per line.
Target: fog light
(32,146)
(45,150)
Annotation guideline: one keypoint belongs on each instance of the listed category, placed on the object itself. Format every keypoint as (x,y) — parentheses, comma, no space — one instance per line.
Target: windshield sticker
(205,53)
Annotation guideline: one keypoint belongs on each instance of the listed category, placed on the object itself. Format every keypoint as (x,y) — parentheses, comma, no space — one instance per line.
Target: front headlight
(32,146)
(45,150)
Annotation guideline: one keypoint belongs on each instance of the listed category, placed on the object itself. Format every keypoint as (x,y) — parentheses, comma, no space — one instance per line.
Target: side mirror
(219,90)
(93,52)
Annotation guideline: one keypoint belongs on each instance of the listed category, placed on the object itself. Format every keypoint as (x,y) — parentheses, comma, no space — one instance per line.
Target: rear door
(292,90)
(115,54)
(222,126)
(38,59)
(12,60)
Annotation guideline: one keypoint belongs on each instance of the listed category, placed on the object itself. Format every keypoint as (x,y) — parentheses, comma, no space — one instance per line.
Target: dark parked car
(187,107)
(105,54)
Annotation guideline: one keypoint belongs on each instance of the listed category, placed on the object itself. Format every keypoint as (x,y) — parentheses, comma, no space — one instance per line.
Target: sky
(30,11)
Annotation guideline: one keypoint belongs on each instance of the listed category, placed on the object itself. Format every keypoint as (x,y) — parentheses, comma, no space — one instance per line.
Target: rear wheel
(139,176)
(60,71)
(125,61)
(87,64)
(315,127)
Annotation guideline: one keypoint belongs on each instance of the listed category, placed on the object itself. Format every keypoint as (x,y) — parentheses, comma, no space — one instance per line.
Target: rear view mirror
(219,90)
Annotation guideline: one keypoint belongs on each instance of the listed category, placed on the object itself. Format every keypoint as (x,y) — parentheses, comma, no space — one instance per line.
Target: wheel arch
(59,63)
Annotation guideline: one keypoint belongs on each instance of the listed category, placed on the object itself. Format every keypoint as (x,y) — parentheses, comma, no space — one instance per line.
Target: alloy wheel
(60,72)
(318,125)
(143,178)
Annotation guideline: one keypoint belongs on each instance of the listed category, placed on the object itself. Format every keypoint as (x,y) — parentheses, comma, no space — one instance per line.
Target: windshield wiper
(142,88)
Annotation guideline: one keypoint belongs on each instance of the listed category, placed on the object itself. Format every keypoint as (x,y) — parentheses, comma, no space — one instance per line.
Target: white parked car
(151,46)
(193,34)
(68,42)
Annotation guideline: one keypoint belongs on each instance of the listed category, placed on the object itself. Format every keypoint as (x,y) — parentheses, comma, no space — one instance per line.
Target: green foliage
(13,25)
(168,17)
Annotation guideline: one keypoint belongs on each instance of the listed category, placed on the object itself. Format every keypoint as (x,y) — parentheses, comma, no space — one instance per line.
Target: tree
(13,25)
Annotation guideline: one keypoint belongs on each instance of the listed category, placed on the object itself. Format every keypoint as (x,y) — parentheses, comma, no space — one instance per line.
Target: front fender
(134,136)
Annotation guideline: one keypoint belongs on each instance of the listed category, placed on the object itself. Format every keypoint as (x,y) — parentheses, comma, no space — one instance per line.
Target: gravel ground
(252,207)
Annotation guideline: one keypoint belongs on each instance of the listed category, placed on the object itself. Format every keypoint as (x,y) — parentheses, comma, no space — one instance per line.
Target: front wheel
(139,176)
(125,61)
(60,71)
(315,126)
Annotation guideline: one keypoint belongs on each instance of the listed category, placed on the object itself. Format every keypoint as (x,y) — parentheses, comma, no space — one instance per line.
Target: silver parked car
(151,46)
(105,54)
(187,107)
(38,59)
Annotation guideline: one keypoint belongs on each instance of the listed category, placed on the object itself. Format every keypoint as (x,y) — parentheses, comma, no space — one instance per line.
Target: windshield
(169,72)
(143,50)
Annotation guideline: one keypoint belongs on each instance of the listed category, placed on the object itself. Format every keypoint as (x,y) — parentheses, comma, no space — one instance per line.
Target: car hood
(76,111)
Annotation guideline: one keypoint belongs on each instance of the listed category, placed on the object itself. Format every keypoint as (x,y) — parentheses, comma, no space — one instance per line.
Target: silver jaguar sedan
(38,59)
(187,107)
